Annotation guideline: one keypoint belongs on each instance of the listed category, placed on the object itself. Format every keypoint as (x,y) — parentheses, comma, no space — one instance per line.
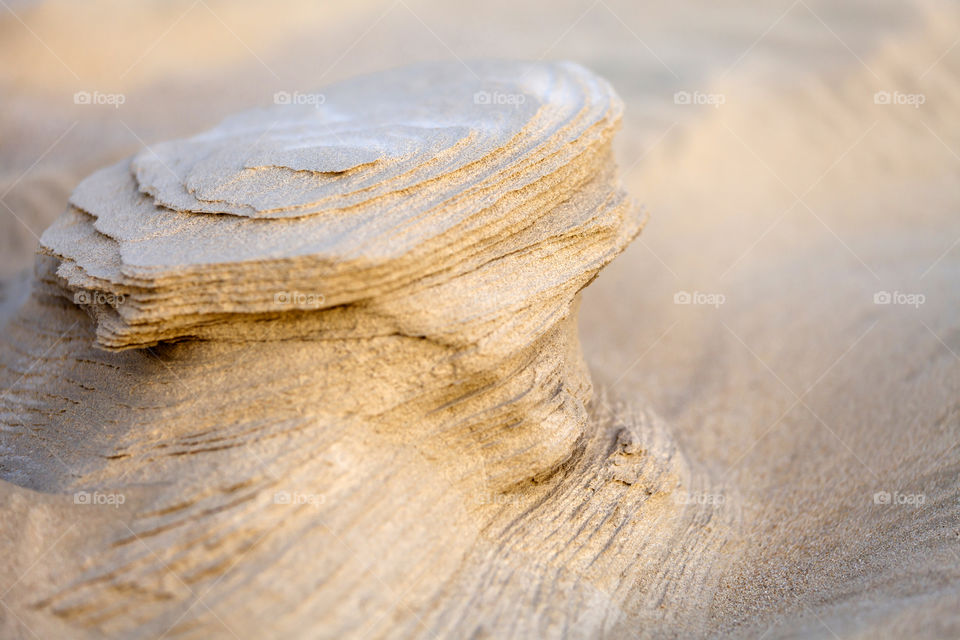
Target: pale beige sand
(796,400)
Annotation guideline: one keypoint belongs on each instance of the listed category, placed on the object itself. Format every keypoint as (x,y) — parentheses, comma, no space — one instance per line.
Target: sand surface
(784,199)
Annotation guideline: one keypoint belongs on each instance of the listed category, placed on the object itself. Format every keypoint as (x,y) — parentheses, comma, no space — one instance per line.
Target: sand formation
(425,215)
(332,341)
(426,183)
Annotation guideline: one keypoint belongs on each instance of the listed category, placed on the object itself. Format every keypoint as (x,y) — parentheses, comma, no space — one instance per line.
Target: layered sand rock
(329,336)
(427,218)
(421,184)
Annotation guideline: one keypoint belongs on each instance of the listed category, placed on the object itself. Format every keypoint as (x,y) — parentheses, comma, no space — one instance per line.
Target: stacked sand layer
(438,222)
(325,337)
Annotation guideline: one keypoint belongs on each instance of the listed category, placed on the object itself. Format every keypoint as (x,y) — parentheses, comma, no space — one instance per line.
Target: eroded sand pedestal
(315,372)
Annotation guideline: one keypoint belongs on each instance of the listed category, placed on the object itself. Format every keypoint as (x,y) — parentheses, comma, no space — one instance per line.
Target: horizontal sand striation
(336,204)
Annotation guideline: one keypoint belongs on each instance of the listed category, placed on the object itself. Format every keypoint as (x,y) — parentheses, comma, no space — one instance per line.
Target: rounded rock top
(403,184)
(355,142)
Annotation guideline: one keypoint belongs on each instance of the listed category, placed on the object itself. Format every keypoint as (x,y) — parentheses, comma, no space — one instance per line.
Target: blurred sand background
(798,198)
